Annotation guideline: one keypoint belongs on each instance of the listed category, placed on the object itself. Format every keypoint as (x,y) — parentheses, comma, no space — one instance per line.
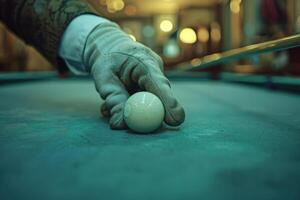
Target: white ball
(144,112)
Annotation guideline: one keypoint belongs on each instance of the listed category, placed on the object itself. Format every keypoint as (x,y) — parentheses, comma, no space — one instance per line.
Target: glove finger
(150,77)
(114,94)
(104,110)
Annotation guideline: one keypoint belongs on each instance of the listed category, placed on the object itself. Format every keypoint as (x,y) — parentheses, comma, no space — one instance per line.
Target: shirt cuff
(73,41)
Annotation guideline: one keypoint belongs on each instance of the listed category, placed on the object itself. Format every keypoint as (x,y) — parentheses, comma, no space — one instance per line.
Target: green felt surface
(238,142)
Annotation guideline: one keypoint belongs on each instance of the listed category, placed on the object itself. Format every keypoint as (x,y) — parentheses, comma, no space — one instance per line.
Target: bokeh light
(148,31)
(203,35)
(235,6)
(118,4)
(196,62)
(114,5)
(166,25)
(188,36)
(171,49)
(130,10)
(215,32)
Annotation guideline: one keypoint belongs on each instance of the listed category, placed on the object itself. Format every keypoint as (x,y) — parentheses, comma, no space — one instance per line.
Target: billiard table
(238,142)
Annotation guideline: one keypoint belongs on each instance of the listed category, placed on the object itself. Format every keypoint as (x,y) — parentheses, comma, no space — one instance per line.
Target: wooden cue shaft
(236,54)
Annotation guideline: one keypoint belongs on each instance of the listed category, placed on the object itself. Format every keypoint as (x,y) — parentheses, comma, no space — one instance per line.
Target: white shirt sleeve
(73,41)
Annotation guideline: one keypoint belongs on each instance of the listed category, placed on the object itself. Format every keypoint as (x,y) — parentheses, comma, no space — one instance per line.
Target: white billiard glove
(121,67)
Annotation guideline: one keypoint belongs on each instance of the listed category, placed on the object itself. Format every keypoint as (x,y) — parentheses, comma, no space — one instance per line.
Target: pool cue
(243,52)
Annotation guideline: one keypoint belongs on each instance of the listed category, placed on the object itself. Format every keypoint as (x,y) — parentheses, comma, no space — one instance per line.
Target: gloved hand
(121,67)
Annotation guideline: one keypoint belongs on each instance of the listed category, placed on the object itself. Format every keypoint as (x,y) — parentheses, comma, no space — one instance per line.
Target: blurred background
(186,30)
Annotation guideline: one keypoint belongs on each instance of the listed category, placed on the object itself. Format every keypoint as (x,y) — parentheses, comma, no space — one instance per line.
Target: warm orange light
(130,10)
(203,35)
(215,32)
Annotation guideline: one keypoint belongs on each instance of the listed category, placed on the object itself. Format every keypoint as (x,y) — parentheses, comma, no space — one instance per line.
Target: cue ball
(144,112)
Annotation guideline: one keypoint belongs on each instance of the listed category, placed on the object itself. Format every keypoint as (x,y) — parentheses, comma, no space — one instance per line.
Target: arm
(118,65)
(41,23)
